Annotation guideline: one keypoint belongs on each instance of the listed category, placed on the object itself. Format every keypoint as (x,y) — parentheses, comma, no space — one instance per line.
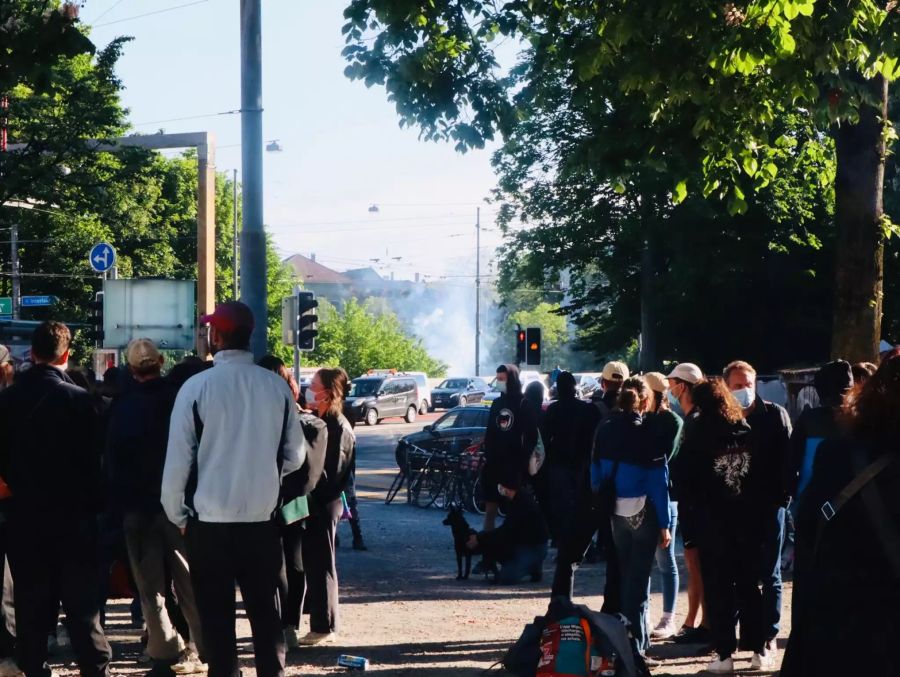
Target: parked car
(455,431)
(585,385)
(374,398)
(425,394)
(458,392)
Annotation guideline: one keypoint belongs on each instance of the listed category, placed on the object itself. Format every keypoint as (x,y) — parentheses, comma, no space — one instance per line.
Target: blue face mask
(674,404)
(744,396)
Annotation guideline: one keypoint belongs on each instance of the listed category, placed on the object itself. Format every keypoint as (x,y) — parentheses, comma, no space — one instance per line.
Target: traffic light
(533,345)
(96,330)
(307,320)
(520,345)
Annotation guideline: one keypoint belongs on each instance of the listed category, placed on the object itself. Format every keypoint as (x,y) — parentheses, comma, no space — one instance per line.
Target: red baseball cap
(229,316)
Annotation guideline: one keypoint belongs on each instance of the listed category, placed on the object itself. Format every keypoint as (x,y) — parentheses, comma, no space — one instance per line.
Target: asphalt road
(375,446)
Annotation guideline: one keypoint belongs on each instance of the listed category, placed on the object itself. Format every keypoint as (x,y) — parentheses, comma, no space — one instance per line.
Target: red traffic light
(521,335)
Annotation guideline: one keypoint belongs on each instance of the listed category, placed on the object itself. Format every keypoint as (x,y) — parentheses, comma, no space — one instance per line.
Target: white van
(424,389)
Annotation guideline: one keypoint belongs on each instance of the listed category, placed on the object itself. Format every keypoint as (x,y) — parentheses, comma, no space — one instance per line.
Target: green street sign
(5,305)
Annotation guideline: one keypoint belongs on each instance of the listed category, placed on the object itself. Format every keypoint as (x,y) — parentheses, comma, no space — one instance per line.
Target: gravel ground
(402,608)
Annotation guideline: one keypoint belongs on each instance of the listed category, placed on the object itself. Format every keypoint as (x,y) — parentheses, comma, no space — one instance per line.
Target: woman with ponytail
(630,468)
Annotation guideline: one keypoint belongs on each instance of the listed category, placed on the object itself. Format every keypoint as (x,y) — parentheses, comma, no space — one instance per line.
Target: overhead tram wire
(107,11)
(158,11)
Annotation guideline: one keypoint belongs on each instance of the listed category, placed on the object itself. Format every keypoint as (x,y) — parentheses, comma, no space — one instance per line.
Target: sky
(343,148)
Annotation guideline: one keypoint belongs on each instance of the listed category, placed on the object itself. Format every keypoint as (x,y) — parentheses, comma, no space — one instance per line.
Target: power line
(104,13)
(159,11)
(188,117)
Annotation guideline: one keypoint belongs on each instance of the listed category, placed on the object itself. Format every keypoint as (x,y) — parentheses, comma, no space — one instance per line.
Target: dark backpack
(522,657)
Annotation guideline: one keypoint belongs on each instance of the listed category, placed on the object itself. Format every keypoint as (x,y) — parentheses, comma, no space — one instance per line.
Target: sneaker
(189,663)
(698,635)
(721,666)
(317,638)
(9,668)
(291,638)
(762,661)
(664,629)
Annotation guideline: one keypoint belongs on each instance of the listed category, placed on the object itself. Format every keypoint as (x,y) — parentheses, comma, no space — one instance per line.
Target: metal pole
(234,257)
(253,236)
(478,291)
(296,318)
(14,261)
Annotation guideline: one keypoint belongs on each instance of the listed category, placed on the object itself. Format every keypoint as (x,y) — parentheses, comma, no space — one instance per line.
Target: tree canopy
(699,91)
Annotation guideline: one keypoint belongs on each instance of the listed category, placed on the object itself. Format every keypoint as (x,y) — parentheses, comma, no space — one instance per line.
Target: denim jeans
(526,560)
(773,542)
(636,541)
(668,567)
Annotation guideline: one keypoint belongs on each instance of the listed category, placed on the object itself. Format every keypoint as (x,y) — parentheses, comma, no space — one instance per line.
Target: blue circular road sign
(102,257)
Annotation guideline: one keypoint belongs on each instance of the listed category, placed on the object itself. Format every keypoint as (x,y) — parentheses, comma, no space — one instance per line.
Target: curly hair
(633,395)
(870,408)
(713,398)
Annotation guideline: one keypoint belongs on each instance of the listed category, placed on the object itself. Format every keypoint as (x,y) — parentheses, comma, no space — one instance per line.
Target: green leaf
(737,206)
(680,192)
(791,11)
(786,41)
(619,188)
(750,165)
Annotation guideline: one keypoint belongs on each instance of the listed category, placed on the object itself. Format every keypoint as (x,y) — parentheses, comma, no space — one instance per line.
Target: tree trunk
(649,355)
(859,269)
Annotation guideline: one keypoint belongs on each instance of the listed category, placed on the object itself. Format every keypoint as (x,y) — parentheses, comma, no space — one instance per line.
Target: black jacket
(716,465)
(302,482)
(136,442)
(339,459)
(524,525)
(50,454)
(568,433)
(511,436)
(770,428)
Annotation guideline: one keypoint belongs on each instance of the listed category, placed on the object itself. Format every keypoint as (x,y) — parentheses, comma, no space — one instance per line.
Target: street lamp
(273,146)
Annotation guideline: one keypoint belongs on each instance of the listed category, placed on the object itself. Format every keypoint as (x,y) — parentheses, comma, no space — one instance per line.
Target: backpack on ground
(571,640)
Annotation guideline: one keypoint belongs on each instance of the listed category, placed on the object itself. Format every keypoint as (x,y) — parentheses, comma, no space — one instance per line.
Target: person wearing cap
(681,381)
(136,444)
(234,433)
(664,426)
(770,427)
(51,460)
(611,380)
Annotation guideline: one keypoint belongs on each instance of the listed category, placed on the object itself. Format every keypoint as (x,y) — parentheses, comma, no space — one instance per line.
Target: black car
(373,398)
(454,432)
(458,392)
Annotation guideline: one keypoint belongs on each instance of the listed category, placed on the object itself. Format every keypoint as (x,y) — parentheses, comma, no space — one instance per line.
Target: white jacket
(230,425)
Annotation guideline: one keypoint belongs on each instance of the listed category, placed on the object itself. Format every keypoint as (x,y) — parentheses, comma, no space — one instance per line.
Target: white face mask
(501,387)
(744,396)
(313,398)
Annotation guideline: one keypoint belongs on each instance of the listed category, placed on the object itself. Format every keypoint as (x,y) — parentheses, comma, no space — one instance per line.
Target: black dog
(461,532)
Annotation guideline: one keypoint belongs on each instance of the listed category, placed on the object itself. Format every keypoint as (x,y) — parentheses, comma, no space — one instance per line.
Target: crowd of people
(706,457)
(209,478)
(213,478)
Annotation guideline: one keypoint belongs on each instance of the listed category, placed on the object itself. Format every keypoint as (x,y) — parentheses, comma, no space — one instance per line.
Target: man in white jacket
(234,433)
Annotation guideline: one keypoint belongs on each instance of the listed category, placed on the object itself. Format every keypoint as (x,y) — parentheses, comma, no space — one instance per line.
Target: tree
(554,332)
(359,339)
(728,69)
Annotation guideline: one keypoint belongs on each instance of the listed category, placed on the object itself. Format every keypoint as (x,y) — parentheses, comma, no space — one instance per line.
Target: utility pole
(478,291)
(253,236)
(234,257)
(14,261)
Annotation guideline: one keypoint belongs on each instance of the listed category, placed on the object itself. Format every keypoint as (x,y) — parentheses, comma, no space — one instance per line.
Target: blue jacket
(642,471)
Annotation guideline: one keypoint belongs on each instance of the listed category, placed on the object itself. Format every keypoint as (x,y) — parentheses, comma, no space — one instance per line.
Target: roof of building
(307,270)
(364,275)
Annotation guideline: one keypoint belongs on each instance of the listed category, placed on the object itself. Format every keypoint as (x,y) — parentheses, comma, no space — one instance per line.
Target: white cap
(687,371)
(615,371)
(656,381)
(885,347)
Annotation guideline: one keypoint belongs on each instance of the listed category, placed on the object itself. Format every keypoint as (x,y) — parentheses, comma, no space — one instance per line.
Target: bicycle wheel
(430,486)
(475,498)
(396,486)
